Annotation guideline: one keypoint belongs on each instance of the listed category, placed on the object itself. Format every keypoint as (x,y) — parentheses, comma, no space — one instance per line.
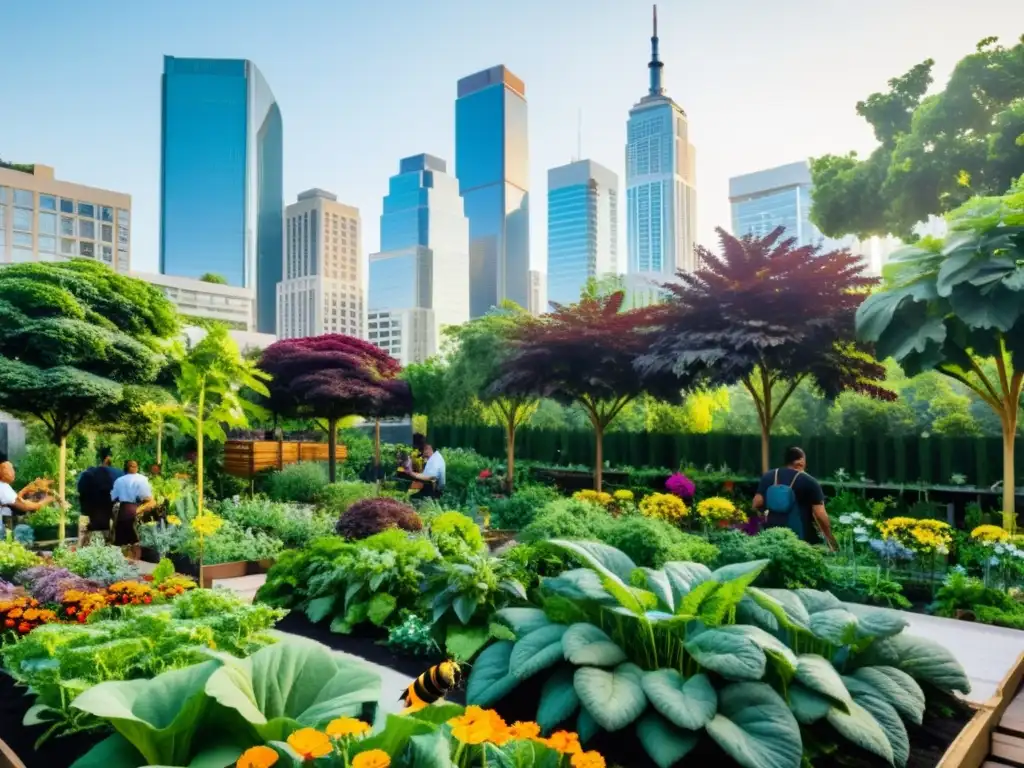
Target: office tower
(491,163)
(419,282)
(583,228)
(661,197)
(538,303)
(43,219)
(221,183)
(322,289)
(227,304)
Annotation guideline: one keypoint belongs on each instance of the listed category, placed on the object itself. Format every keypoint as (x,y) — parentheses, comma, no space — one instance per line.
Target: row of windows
(26,198)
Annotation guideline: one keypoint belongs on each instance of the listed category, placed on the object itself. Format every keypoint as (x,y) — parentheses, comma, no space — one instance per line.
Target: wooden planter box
(247,458)
(7,757)
(189,567)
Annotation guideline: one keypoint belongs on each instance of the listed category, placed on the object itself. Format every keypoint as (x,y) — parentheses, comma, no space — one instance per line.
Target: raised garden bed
(189,567)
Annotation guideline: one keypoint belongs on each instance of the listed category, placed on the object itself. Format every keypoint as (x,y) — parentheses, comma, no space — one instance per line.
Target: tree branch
(989,400)
(792,388)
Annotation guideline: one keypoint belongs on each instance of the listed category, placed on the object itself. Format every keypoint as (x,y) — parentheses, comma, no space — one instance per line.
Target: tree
(213,277)
(769,316)
(934,151)
(481,346)
(584,354)
(76,337)
(954,306)
(332,377)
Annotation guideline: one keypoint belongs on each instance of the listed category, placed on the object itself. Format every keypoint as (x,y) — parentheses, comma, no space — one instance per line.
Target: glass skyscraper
(771,198)
(491,163)
(661,198)
(221,182)
(419,282)
(583,229)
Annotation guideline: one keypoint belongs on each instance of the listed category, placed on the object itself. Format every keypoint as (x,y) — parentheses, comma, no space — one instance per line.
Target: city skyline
(754,100)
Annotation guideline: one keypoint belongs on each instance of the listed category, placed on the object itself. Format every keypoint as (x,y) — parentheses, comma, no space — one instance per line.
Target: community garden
(566,609)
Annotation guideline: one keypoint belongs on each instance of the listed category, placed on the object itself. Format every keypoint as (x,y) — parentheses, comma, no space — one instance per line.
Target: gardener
(432,476)
(94,487)
(11,502)
(791,498)
(133,495)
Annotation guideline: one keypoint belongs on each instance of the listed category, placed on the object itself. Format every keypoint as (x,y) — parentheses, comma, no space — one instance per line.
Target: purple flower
(6,589)
(47,584)
(680,485)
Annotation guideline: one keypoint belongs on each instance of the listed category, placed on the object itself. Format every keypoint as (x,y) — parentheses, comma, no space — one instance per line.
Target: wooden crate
(247,458)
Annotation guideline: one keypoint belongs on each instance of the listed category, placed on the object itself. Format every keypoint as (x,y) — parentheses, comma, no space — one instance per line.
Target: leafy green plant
(49,517)
(301,482)
(97,562)
(792,563)
(14,559)
(230,544)
(335,498)
(295,525)
(456,535)
(522,507)
(871,587)
(462,468)
(412,636)
(654,542)
(566,518)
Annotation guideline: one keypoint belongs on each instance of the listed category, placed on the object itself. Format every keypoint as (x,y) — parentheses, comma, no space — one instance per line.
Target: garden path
(986,652)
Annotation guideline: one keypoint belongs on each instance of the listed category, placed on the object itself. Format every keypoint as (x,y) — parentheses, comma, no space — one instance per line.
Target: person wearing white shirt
(133,495)
(433,474)
(11,502)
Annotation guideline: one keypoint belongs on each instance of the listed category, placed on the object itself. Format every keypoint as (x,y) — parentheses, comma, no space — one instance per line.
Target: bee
(432,685)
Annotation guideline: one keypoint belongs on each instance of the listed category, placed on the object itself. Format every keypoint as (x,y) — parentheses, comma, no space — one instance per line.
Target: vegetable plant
(96,562)
(14,558)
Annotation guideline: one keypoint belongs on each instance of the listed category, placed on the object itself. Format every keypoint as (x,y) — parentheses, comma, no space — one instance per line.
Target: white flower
(993,561)
(942,550)
(1000,549)
(845,519)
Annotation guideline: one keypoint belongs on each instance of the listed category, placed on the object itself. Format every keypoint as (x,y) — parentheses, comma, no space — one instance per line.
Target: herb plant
(14,558)
(97,562)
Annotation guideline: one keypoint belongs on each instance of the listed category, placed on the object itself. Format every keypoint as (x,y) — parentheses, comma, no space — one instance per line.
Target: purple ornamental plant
(682,486)
(6,589)
(48,584)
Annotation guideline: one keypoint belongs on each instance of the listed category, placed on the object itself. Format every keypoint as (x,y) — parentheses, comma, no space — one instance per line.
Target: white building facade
(230,304)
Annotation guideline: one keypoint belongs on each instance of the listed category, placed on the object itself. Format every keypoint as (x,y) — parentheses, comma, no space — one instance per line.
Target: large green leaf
(880,623)
(893,686)
(739,652)
(380,607)
(755,727)
(659,583)
(538,650)
(859,726)
(586,726)
(683,577)
(889,720)
(558,699)
(294,684)
(817,674)
(587,645)
(614,698)
(751,611)
(490,681)
(523,621)
(794,608)
(395,737)
(807,706)
(742,572)
(816,601)
(687,703)
(777,651)
(113,752)
(836,625)
(320,608)
(580,584)
(430,750)
(600,557)
(665,744)
(922,658)
(159,717)
(463,643)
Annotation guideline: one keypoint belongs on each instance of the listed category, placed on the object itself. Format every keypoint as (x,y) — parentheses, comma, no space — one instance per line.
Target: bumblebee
(432,685)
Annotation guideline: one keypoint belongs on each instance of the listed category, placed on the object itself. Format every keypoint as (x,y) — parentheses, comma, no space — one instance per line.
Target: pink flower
(680,485)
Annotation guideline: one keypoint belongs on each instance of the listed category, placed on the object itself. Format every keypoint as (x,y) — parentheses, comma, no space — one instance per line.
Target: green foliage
(870,587)
(359,446)
(14,559)
(301,483)
(519,510)
(456,535)
(653,542)
(462,468)
(163,571)
(963,595)
(231,544)
(792,564)
(412,636)
(371,516)
(336,498)
(212,277)
(296,526)
(97,562)
(566,519)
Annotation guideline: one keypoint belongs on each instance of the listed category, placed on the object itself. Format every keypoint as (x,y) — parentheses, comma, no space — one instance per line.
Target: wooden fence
(247,458)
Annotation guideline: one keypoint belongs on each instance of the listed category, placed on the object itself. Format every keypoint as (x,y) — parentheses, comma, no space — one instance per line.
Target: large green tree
(934,151)
(76,337)
(958,307)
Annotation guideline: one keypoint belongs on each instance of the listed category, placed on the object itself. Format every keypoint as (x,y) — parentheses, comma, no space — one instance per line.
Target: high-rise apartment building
(221,183)
(322,289)
(583,227)
(43,219)
(661,196)
(491,163)
(419,282)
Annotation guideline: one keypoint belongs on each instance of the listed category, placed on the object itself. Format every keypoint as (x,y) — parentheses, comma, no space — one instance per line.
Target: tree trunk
(62,476)
(376,450)
(510,452)
(332,449)
(1009,475)
(766,442)
(199,453)
(598,456)
(159,441)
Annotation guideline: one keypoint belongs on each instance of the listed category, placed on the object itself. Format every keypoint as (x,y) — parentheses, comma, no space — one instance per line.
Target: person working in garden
(11,502)
(133,495)
(432,476)
(94,487)
(788,497)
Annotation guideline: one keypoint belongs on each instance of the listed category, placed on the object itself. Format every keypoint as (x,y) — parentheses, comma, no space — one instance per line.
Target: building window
(47,244)
(108,254)
(47,203)
(23,219)
(66,205)
(106,213)
(87,209)
(23,238)
(67,226)
(122,217)
(48,223)
(87,229)
(86,249)
(21,255)
(67,246)
(24,198)
(107,233)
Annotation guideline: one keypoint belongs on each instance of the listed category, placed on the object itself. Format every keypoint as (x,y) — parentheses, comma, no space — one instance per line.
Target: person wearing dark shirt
(94,486)
(808,496)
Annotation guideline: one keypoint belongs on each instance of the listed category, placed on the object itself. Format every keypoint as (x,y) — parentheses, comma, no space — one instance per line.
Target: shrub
(456,534)
(664,506)
(462,468)
(600,498)
(335,498)
(566,519)
(794,563)
(232,543)
(652,543)
(372,516)
(522,507)
(360,451)
(298,482)
(97,562)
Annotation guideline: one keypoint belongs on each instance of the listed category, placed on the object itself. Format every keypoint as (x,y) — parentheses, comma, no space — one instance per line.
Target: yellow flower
(309,742)
(346,726)
(718,509)
(524,730)
(477,725)
(257,757)
(990,533)
(594,497)
(173,520)
(206,525)
(587,760)
(664,506)
(566,742)
(623,495)
(374,758)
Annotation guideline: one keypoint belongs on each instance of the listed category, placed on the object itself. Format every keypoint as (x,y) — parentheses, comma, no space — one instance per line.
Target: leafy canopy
(934,151)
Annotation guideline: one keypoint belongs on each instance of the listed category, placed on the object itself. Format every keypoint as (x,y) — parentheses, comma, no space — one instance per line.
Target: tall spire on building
(655,65)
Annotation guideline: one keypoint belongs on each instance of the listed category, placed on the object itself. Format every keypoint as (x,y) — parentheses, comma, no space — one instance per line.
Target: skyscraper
(322,290)
(419,282)
(221,181)
(491,163)
(764,200)
(661,201)
(583,227)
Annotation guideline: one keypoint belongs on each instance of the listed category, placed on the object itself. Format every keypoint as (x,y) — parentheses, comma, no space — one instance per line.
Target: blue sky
(362,84)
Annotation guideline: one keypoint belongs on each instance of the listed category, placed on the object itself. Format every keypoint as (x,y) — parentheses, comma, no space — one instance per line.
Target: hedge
(889,460)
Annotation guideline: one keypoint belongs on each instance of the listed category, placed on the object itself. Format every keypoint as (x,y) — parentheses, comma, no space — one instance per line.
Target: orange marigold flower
(346,726)
(566,742)
(474,726)
(587,760)
(310,743)
(524,730)
(257,757)
(374,758)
